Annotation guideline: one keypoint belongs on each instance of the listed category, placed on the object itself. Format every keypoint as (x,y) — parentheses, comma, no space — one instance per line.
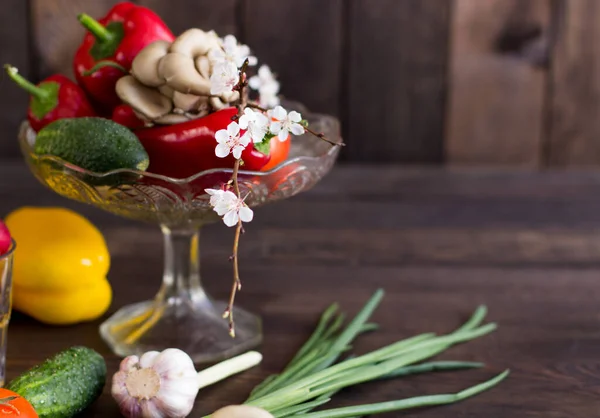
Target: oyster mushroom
(189,102)
(145,65)
(166,91)
(146,101)
(173,118)
(195,42)
(178,66)
(203,66)
(170,82)
(179,73)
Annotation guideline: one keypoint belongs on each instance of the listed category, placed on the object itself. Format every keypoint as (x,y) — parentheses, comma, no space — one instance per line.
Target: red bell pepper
(56,97)
(187,148)
(115,39)
(124,115)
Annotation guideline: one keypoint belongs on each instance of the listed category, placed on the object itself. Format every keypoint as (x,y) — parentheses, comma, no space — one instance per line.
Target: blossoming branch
(256,123)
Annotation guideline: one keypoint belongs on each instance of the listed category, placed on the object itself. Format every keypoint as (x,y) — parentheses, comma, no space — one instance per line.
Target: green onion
(300,409)
(315,374)
(353,328)
(309,358)
(416,402)
(433,366)
(317,334)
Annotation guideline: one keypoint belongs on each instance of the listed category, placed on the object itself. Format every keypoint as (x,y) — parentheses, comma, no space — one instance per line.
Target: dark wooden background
(504,82)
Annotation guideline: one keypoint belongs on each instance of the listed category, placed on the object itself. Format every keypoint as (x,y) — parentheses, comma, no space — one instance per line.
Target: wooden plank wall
(497,81)
(461,82)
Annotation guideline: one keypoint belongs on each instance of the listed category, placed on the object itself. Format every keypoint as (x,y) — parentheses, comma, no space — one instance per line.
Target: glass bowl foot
(196,327)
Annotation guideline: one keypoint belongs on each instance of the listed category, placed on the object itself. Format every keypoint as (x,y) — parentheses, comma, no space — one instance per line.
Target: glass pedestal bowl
(182,315)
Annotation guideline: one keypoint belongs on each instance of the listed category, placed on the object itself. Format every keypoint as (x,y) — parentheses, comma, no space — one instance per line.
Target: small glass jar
(6,267)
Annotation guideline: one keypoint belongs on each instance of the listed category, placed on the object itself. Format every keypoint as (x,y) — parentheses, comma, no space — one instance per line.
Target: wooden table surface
(440,242)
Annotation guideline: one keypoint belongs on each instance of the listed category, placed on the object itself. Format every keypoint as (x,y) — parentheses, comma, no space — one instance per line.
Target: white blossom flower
(216,196)
(224,78)
(229,141)
(266,85)
(256,124)
(229,206)
(232,52)
(285,122)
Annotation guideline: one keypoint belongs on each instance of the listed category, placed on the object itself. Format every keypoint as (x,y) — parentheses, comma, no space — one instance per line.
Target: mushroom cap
(203,66)
(166,91)
(172,119)
(195,42)
(179,73)
(145,65)
(222,102)
(144,100)
(189,102)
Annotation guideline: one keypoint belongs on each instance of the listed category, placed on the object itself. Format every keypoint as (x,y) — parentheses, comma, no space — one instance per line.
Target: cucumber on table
(63,385)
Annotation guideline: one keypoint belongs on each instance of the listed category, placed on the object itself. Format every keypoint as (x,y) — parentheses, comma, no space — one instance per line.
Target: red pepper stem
(102,64)
(25,84)
(100,32)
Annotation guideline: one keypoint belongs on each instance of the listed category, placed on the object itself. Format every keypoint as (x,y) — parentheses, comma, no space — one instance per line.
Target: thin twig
(257,107)
(242,104)
(310,131)
(237,283)
(322,136)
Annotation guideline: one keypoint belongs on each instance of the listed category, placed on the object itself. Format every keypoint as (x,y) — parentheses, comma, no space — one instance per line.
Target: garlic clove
(241,411)
(129,363)
(149,409)
(175,405)
(173,363)
(129,407)
(148,358)
(183,386)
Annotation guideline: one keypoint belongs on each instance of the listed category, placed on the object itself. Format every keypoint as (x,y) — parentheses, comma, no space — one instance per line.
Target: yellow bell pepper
(60,267)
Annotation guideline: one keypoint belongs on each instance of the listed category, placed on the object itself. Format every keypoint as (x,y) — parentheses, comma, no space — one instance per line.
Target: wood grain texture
(57,33)
(14,50)
(497,82)
(574,126)
(180,15)
(397,77)
(439,242)
(301,41)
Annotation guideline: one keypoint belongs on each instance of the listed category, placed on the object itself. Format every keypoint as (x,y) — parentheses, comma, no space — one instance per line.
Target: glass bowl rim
(23,139)
(11,250)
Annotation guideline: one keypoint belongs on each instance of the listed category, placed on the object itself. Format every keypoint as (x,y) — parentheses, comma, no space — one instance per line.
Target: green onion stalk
(315,375)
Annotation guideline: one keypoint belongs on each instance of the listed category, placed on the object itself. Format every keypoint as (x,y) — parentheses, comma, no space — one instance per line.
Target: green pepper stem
(25,84)
(100,32)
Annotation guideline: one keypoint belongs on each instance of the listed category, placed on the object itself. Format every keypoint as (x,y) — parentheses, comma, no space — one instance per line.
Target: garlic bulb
(156,385)
(165,384)
(241,411)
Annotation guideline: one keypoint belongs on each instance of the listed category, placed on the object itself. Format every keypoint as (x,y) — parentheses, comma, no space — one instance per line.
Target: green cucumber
(95,144)
(65,384)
